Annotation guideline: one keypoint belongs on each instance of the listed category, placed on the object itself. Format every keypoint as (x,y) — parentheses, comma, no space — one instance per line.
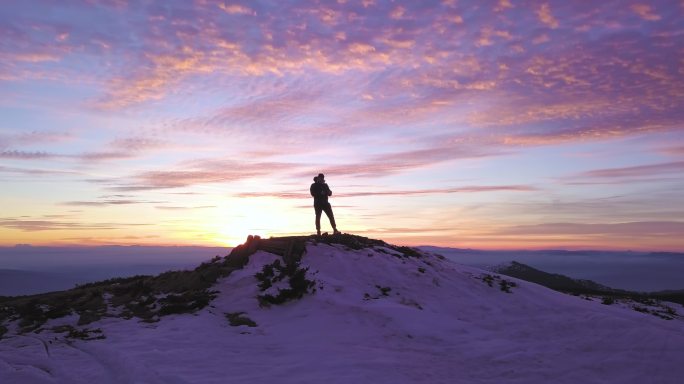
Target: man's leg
(318,218)
(331,217)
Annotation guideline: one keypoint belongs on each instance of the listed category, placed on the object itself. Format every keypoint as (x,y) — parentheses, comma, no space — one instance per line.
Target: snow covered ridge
(149,298)
(337,309)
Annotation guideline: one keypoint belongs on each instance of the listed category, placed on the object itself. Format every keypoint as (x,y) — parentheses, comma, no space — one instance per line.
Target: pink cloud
(34,137)
(138,143)
(640,229)
(182,208)
(645,12)
(236,9)
(197,173)
(33,225)
(464,189)
(108,202)
(637,171)
(397,162)
(546,17)
(673,151)
(38,171)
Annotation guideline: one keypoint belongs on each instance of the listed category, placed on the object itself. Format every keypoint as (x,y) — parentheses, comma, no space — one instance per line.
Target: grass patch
(607,300)
(237,319)
(80,334)
(297,283)
(187,302)
(384,290)
(504,285)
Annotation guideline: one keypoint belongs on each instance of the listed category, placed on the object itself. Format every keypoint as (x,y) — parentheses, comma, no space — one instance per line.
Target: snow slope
(439,322)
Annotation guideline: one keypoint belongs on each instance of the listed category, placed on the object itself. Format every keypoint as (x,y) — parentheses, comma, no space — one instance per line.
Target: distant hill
(673,296)
(17,282)
(27,270)
(628,270)
(567,284)
(553,280)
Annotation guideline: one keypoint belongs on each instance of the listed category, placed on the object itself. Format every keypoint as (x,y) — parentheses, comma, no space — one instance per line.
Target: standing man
(320,192)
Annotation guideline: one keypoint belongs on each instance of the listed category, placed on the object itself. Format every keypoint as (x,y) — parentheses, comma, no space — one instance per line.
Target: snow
(438,323)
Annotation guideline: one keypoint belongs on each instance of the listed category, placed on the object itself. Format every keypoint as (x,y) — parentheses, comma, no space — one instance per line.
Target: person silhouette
(320,192)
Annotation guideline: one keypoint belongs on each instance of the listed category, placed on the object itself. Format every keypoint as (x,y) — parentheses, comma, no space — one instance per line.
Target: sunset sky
(484,124)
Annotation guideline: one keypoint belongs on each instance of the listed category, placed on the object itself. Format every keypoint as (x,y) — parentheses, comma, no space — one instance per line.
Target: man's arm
(327,190)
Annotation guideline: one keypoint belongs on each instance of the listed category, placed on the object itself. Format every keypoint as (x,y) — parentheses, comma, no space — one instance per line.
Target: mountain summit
(334,309)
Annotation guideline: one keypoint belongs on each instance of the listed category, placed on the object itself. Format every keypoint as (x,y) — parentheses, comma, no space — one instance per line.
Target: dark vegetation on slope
(673,296)
(503,284)
(645,302)
(555,281)
(144,297)
(150,297)
(295,276)
(236,319)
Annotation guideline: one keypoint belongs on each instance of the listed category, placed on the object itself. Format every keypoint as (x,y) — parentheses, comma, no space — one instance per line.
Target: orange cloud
(236,9)
(503,5)
(545,16)
(419,192)
(645,12)
(397,13)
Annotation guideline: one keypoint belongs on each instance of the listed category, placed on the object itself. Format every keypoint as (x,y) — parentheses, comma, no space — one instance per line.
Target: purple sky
(484,124)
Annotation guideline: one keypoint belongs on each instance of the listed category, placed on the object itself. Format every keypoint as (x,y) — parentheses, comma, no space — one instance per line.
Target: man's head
(320,178)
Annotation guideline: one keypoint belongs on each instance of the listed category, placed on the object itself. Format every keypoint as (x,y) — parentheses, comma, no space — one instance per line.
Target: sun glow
(264,217)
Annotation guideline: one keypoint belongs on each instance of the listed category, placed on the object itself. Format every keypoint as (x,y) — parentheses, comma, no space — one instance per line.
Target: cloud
(464,189)
(29,139)
(123,148)
(398,13)
(263,110)
(106,155)
(676,167)
(640,229)
(197,172)
(181,208)
(417,67)
(402,161)
(106,202)
(236,9)
(138,143)
(673,151)
(37,171)
(405,230)
(26,155)
(645,12)
(30,225)
(545,16)
(503,5)
(540,39)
